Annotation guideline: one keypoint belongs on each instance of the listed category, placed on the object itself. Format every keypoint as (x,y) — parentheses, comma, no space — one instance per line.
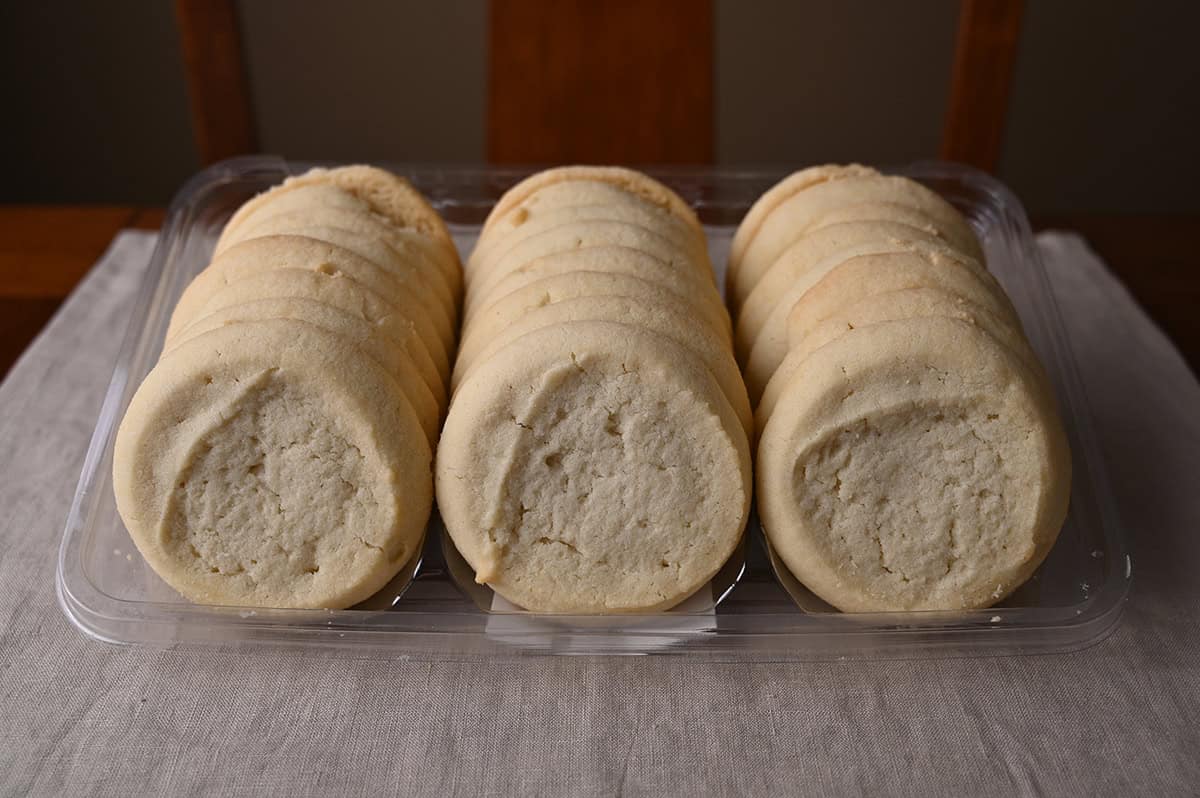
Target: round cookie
(863,215)
(581,235)
(346,295)
(368,238)
(394,360)
(404,271)
(549,290)
(794,267)
(911,303)
(612,259)
(629,180)
(589,201)
(418,251)
(908,303)
(270,253)
(913,465)
(771,199)
(867,275)
(386,194)
(593,467)
(671,323)
(277,200)
(917,265)
(797,215)
(270,464)
(960,237)
(583,215)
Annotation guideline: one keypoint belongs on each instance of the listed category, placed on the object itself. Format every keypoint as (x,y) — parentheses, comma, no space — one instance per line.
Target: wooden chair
(547,56)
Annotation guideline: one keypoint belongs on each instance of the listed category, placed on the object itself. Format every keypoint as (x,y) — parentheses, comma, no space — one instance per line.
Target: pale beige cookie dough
(414,249)
(615,260)
(909,303)
(918,266)
(271,253)
(913,465)
(582,199)
(861,215)
(410,273)
(384,193)
(771,199)
(581,235)
(549,290)
(342,293)
(278,200)
(629,180)
(269,464)
(800,213)
(593,467)
(960,237)
(664,320)
(364,335)
(798,265)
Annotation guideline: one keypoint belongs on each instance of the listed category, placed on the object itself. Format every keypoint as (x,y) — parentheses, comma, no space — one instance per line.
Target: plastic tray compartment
(1074,599)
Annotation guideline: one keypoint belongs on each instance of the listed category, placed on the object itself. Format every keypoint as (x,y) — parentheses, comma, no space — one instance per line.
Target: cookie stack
(595,457)
(910,455)
(280,452)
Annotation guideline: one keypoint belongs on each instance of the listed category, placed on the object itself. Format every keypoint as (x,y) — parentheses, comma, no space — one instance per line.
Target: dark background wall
(1105,113)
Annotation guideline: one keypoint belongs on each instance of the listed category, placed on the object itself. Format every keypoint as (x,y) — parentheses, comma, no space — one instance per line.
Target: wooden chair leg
(222,120)
(984,56)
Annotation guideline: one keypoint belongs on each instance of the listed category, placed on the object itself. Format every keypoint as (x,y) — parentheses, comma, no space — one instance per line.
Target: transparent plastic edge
(885,635)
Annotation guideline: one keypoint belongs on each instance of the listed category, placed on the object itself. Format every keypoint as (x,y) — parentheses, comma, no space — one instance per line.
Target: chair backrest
(626,81)
(222,119)
(623,81)
(981,77)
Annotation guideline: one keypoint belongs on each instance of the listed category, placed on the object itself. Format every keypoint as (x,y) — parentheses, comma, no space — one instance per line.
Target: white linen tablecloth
(79,717)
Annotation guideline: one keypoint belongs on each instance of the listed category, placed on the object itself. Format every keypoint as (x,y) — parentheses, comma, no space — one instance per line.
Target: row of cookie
(595,457)
(910,455)
(280,452)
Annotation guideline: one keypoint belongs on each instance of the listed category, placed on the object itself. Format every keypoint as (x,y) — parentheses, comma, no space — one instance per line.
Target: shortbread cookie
(919,266)
(420,252)
(511,307)
(629,180)
(348,296)
(292,213)
(960,237)
(271,464)
(912,303)
(386,194)
(613,259)
(267,254)
(583,201)
(913,465)
(909,303)
(581,235)
(593,467)
(797,266)
(771,199)
(278,200)
(800,213)
(364,335)
(680,327)
(847,218)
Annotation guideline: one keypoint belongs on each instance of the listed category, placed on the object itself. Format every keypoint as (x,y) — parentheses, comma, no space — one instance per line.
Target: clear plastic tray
(1074,599)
